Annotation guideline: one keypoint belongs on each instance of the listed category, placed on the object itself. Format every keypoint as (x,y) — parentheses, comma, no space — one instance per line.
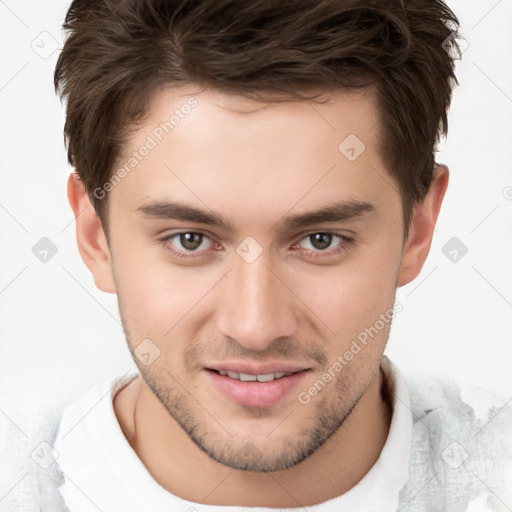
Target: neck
(178,465)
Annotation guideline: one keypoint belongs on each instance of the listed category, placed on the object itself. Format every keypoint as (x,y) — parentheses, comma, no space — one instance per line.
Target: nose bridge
(255,307)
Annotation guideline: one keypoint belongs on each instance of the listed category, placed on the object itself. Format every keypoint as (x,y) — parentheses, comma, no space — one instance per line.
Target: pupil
(321,240)
(191,240)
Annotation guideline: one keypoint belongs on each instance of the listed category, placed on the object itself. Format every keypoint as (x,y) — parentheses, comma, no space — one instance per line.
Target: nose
(255,306)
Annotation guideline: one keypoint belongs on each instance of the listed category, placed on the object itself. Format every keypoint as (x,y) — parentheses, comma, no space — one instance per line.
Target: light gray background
(59,335)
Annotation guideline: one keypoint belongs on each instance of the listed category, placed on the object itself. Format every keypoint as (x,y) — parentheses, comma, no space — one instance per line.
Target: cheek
(350,297)
(349,303)
(156,296)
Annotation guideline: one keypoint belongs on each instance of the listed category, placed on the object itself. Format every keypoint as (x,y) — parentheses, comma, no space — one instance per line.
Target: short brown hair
(119,52)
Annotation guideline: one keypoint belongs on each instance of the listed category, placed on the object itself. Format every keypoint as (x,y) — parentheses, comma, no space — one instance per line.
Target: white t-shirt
(103,472)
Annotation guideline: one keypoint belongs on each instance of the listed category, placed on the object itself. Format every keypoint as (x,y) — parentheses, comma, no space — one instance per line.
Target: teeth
(246,377)
(266,377)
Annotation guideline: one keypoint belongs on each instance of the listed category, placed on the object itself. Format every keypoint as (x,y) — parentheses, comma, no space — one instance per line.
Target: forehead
(204,144)
(182,115)
(338,111)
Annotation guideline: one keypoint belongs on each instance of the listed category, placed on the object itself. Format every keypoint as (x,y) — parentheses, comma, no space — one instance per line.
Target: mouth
(247,377)
(255,387)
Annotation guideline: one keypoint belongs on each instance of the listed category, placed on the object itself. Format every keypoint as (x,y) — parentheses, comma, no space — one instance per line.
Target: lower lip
(255,394)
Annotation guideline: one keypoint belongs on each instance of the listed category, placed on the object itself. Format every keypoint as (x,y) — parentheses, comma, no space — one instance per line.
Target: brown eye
(188,243)
(324,244)
(321,240)
(191,241)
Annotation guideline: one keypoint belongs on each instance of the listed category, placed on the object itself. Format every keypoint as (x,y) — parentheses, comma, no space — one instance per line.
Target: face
(255,241)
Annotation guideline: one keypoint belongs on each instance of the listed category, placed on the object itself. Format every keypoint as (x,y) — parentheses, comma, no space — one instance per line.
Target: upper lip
(257,369)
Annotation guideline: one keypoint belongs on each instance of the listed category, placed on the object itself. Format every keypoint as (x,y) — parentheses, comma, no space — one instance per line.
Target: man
(254,180)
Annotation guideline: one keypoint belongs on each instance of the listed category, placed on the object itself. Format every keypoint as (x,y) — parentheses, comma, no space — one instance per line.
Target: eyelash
(344,244)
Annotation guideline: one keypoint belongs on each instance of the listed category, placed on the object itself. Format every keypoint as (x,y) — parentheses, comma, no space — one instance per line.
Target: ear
(424,219)
(90,236)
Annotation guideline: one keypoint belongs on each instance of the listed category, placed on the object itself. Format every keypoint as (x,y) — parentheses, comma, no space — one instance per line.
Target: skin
(255,164)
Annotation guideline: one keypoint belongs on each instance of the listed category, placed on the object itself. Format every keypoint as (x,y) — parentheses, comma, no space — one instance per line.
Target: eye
(323,244)
(319,240)
(193,244)
(188,242)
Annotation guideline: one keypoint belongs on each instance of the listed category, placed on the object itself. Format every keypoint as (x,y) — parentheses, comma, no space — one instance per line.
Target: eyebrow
(341,211)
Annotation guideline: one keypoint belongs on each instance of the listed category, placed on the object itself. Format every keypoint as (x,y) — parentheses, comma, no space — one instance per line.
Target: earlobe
(424,219)
(91,240)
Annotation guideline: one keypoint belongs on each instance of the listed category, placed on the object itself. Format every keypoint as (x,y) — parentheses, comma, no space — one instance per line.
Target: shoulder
(57,452)
(461,449)
(45,472)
